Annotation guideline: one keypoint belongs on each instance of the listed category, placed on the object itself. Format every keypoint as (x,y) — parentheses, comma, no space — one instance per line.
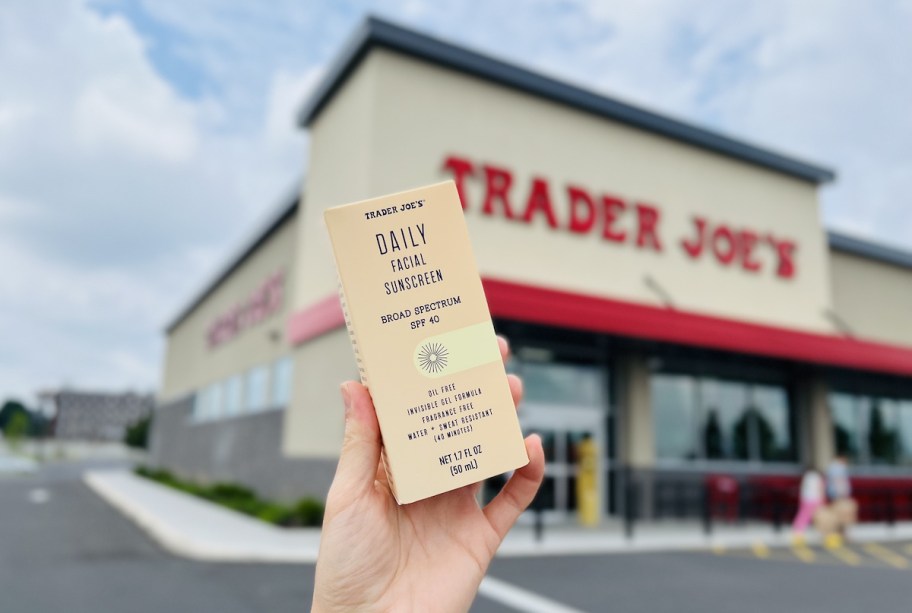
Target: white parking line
(520,599)
(39,495)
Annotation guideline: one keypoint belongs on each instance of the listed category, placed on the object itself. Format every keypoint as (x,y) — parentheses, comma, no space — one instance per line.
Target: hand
(430,555)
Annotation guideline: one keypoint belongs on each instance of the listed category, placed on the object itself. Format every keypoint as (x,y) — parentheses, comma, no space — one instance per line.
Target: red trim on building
(319,318)
(510,300)
(532,304)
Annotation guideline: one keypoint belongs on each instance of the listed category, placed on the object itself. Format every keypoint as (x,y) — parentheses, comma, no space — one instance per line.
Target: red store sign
(585,212)
(263,302)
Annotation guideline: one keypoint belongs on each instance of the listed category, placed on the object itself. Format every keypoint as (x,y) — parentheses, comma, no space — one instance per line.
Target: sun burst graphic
(433,357)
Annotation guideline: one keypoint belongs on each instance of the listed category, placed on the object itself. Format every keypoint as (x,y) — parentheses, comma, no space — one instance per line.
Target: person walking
(811,499)
(839,492)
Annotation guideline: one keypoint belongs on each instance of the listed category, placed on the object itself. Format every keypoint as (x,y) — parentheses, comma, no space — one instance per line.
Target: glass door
(574,443)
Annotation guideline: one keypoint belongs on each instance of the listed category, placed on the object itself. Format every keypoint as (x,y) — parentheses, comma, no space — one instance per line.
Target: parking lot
(63,548)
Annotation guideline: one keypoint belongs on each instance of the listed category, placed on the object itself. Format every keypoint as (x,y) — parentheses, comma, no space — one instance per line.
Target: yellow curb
(886,555)
(846,555)
(804,553)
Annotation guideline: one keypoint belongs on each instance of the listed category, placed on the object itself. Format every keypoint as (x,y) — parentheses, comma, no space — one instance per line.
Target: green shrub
(275,513)
(137,435)
(231,491)
(308,512)
(305,512)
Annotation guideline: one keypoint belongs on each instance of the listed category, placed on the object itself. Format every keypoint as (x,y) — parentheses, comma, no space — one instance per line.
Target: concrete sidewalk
(195,528)
(192,527)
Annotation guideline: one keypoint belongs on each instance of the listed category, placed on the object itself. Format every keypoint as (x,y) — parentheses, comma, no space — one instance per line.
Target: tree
(844,445)
(137,435)
(882,440)
(753,423)
(11,408)
(16,428)
(712,436)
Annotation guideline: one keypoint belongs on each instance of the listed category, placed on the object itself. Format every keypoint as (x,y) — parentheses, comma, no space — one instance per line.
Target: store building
(94,416)
(669,292)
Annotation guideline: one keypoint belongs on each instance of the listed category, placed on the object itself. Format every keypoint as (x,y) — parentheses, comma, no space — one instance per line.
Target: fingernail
(346,398)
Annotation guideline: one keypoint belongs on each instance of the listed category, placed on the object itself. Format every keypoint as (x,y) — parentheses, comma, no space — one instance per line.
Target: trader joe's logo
(263,302)
(432,358)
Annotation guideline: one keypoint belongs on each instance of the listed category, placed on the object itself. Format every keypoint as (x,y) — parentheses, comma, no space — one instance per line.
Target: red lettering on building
(497,188)
(461,169)
(611,209)
(694,247)
(647,224)
(263,302)
(723,245)
(747,241)
(539,201)
(785,250)
(582,210)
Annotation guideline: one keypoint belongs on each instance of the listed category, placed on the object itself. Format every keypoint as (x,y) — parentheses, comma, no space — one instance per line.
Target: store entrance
(574,443)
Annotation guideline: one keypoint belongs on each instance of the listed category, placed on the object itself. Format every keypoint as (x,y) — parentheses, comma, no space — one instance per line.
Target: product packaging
(424,342)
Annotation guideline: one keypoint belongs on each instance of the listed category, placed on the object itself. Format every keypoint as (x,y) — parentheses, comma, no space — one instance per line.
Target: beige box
(422,334)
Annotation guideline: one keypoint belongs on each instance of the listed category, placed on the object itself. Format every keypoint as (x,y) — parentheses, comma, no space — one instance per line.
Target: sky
(142,142)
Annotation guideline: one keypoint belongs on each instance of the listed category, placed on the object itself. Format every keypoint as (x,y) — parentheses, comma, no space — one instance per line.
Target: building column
(636,438)
(815,423)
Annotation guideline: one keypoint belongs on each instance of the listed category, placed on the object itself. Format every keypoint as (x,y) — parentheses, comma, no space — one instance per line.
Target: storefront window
(845,427)
(872,430)
(883,433)
(563,384)
(774,432)
(905,432)
(674,412)
(208,402)
(233,396)
(281,382)
(255,388)
(707,418)
(724,425)
(199,405)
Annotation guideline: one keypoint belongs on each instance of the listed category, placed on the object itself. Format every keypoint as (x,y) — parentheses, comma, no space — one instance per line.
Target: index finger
(504,347)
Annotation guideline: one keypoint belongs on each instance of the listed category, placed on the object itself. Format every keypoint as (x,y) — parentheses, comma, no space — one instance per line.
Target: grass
(304,512)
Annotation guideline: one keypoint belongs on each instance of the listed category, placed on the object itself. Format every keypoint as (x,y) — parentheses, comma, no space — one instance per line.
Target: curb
(194,528)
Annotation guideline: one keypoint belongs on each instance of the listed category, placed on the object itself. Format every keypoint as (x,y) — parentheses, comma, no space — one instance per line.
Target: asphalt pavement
(62,548)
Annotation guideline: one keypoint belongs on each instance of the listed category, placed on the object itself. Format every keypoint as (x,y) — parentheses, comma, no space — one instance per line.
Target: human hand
(430,555)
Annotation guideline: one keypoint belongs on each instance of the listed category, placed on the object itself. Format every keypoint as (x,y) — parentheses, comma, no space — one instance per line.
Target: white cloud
(827,81)
(118,195)
(138,145)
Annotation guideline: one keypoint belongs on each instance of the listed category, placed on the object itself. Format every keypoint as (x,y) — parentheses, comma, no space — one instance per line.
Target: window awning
(509,300)
(563,309)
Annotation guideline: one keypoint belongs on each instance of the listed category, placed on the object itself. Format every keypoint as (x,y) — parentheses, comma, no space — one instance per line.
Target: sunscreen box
(424,342)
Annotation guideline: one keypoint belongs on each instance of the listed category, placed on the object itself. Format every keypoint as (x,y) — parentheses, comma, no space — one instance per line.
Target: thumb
(360,455)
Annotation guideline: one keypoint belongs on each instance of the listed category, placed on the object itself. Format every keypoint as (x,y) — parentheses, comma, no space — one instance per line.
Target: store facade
(671,296)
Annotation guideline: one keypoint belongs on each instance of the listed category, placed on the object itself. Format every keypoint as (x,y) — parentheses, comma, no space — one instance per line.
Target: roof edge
(377,32)
(282,213)
(869,249)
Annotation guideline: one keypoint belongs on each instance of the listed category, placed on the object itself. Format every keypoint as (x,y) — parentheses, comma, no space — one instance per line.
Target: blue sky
(141,141)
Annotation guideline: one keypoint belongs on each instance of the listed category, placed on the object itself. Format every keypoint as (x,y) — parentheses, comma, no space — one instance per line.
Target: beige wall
(315,423)
(341,155)
(394,122)
(189,361)
(449,113)
(873,298)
